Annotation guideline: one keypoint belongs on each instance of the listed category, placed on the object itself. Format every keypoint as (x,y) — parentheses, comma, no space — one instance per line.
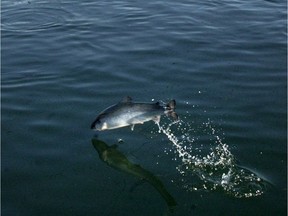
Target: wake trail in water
(217,169)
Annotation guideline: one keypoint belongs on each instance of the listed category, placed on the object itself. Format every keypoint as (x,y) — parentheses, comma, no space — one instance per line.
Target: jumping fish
(127,113)
(117,160)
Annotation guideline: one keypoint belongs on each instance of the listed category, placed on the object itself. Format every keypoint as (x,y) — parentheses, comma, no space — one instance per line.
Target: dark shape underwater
(117,160)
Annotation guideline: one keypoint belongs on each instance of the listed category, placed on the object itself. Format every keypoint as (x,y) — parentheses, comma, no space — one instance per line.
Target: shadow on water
(117,160)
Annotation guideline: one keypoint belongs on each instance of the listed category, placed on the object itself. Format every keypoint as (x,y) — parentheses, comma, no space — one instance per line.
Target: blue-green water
(225,64)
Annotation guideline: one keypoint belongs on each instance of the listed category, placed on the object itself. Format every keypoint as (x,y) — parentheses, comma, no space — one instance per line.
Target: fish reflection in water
(117,160)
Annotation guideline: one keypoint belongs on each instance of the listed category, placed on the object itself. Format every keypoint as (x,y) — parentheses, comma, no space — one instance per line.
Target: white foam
(217,169)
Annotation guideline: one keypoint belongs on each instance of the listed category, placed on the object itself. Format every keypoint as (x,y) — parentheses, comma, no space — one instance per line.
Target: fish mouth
(93,125)
(98,126)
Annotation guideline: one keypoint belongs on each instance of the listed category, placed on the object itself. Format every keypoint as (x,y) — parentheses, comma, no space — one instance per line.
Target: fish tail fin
(170,110)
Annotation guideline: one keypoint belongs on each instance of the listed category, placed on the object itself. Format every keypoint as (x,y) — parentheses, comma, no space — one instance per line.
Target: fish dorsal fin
(126,99)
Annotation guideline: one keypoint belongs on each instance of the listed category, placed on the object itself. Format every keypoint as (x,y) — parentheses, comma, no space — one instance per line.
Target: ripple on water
(27,17)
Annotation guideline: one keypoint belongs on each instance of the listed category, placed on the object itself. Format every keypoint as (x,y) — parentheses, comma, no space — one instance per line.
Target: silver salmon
(127,112)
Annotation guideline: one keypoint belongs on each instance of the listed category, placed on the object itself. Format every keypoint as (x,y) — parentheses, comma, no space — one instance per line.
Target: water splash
(215,167)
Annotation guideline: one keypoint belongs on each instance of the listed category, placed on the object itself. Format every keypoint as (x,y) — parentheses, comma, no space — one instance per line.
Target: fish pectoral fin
(132,127)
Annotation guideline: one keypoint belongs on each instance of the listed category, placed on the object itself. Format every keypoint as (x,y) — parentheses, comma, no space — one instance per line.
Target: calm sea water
(225,64)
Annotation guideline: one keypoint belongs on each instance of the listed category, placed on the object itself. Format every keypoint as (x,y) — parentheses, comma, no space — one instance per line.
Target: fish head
(99,124)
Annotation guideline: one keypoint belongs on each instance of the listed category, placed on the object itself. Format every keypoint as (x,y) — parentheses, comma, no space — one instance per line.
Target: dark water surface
(224,62)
